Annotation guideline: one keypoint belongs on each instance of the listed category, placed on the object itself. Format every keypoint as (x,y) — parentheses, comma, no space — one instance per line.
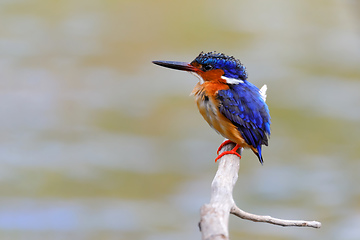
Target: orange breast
(209,108)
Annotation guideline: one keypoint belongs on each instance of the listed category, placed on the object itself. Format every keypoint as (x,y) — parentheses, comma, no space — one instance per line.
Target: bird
(229,103)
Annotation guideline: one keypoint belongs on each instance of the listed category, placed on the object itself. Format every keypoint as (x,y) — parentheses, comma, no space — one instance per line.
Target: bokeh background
(98,143)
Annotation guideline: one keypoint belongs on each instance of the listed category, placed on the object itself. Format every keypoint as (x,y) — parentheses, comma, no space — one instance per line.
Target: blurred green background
(99,143)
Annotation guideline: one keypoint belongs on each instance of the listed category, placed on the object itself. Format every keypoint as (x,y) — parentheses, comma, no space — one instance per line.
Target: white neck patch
(232,80)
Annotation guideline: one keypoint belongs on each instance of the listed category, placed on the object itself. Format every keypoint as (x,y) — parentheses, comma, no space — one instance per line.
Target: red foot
(222,145)
(233,151)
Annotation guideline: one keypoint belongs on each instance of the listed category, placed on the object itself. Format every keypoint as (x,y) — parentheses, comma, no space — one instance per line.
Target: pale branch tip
(235,210)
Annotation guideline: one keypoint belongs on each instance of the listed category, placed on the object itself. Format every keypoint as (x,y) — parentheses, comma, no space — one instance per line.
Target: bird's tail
(258,153)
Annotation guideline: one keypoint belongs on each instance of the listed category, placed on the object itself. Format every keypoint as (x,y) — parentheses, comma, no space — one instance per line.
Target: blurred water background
(98,143)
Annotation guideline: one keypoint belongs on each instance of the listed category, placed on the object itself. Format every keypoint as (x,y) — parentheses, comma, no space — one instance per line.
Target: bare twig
(281,222)
(215,215)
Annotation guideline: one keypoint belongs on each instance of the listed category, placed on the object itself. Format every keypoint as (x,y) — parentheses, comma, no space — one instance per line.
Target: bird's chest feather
(207,103)
(205,97)
(207,107)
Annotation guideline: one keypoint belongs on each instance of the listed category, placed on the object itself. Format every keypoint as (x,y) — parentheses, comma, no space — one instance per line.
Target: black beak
(183,66)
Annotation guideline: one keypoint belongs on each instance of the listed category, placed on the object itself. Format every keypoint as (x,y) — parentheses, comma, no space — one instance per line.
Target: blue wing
(245,108)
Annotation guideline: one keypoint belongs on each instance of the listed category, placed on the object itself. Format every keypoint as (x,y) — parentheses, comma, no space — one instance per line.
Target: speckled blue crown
(231,66)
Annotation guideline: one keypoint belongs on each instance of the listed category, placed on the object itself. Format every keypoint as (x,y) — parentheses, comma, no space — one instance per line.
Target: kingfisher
(229,103)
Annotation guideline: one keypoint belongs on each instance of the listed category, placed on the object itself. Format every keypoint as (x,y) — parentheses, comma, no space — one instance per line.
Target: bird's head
(211,66)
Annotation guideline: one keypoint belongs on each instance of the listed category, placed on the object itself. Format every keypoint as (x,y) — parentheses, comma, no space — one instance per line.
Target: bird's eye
(207,67)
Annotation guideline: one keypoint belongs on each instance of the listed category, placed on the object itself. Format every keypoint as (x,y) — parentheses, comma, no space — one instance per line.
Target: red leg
(232,151)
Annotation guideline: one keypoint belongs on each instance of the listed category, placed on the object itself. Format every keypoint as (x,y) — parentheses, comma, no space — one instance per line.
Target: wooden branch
(215,215)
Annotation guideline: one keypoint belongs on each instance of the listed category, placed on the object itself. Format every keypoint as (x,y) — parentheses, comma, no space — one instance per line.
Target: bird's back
(244,106)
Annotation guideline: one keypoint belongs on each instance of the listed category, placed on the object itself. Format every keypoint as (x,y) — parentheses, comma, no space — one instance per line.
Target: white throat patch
(201,80)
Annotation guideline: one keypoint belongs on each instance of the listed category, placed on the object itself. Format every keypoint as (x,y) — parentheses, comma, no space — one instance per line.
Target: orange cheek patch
(213,75)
